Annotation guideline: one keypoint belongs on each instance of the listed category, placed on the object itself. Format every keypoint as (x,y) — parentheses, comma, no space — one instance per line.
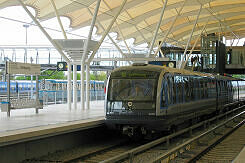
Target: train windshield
(132,89)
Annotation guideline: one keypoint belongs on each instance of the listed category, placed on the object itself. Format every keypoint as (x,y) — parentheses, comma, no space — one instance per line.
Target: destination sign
(23,68)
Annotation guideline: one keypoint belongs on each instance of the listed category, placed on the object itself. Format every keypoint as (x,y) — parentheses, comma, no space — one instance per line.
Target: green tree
(239,76)
(45,75)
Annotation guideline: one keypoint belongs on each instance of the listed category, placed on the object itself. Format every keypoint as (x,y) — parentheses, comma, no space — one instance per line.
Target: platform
(241,157)
(25,124)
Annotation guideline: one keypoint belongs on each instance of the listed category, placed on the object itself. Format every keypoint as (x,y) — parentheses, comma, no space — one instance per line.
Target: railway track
(90,153)
(227,149)
(187,145)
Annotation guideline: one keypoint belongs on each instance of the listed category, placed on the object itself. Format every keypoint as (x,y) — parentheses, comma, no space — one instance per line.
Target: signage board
(23,68)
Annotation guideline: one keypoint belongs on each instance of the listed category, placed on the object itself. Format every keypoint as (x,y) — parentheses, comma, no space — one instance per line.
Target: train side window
(197,93)
(169,90)
(191,87)
(173,91)
(163,92)
(179,88)
(186,88)
(205,88)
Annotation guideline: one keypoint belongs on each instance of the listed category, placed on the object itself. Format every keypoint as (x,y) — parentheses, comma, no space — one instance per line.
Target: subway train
(145,99)
(22,86)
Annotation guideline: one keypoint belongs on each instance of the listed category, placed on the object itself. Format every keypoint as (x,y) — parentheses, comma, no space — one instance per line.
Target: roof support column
(170,28)
(157,28)
(75,86)
(195,43)
(69,89)
(188,42)
(58,18)
(87,86)
(86,51)
(106,31)
(57,47)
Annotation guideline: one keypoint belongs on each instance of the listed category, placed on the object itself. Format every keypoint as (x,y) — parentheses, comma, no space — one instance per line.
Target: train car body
(52,86)
(148,98)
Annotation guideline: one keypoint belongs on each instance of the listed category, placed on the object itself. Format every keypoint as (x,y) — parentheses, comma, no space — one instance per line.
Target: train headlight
(130,104)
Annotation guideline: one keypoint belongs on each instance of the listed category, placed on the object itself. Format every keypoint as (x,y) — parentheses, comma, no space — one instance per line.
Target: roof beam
(119,30)
(188,42)
(216,17)
(193,47)
(58,18)
(84,57)
(157,28)
(106,32)
(170,28)
(57,47)
(110,38)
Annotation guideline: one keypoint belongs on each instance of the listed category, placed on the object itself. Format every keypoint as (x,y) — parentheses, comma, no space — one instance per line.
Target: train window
(186,89)
(205,87)
(169,90)
(191,87)
(132,89)
(179,88)
(201,88)
(197,88)
(174,91)
(163,92)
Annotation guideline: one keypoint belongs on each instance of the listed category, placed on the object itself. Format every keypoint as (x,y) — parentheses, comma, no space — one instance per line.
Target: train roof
(156,68)
(149,67)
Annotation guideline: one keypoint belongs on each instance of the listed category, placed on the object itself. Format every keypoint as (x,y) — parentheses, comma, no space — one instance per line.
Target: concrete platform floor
(51,114)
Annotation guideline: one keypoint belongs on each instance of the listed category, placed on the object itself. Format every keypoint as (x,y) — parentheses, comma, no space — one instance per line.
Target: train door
(164,93)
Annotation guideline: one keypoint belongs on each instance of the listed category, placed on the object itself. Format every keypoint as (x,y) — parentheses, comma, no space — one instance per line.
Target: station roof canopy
(139,18)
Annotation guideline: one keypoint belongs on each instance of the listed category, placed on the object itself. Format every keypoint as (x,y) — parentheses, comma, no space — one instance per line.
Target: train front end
(131,100)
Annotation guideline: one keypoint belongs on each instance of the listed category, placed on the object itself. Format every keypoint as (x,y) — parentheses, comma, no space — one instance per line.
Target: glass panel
(132,89)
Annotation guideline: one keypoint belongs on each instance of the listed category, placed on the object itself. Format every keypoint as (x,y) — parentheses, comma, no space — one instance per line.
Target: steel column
(157,28)
(82,87)
(170,28)
(106,31)
(87,87)
(37,94)
(75,86)
(69,91)
(86,51)
(188,42)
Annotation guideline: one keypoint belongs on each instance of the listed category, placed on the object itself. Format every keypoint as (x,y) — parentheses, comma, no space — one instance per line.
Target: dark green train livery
(147,99)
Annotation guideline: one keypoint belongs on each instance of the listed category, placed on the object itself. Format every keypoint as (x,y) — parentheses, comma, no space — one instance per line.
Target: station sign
(23,68)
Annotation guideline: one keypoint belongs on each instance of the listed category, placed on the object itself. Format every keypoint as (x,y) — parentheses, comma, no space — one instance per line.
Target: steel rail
(131,153)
